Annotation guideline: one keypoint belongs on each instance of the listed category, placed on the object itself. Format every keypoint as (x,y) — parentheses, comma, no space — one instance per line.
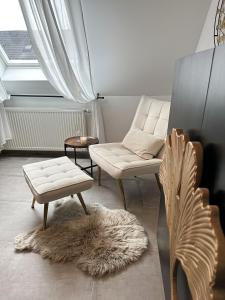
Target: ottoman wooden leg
(82,203)
(45,215)
(32,206)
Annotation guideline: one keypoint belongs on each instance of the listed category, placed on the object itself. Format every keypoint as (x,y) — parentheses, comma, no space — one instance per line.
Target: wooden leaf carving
(219,24)
(196,238)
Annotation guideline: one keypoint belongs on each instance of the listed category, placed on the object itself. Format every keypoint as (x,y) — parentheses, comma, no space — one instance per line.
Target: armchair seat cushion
(120,162)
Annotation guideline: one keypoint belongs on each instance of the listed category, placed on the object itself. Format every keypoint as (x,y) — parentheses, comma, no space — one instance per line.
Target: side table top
(75,141)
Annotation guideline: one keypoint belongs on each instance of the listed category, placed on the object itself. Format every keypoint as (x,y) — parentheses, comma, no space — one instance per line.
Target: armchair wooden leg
(158,181)
(99,175)
(82,203)
(33,202)
(122,194)
(45,216)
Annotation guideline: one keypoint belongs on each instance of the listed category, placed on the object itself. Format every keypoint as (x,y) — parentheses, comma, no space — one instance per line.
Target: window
(15,45)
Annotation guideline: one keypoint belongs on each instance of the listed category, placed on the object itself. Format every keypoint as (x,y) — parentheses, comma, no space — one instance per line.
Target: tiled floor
(28,276)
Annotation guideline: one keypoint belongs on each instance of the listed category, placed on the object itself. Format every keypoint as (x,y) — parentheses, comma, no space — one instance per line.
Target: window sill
(26,80)
(18,73)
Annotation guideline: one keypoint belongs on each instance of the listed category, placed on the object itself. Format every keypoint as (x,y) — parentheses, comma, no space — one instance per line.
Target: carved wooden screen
(196,238)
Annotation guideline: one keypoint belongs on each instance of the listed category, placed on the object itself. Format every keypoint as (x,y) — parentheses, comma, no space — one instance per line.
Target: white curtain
(5,132)
(59,40)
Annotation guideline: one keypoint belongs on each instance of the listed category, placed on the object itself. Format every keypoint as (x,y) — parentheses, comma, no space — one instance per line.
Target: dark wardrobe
(198,107)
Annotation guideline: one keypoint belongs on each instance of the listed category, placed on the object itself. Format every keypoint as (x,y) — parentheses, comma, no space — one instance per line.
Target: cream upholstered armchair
(151,119)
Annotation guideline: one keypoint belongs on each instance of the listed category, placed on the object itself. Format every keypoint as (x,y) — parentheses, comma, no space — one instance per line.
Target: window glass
(14,37)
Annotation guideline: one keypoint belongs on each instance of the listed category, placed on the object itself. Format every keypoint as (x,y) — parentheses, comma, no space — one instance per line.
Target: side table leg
(91,168)
(45,215)
(99,175)
(65,150)
(75,156)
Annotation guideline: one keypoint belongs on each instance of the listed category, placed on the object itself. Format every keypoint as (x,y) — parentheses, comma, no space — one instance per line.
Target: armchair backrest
(152,116)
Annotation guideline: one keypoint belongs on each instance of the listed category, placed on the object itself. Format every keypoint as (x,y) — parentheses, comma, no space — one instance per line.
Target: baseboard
(27,153)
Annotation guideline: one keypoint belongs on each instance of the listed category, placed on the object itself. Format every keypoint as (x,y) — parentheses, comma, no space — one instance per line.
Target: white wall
(118,112)
(133,48)
(134,43)
(206,40)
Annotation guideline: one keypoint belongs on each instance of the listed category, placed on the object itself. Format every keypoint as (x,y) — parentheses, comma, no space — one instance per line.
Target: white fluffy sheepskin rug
(103,242)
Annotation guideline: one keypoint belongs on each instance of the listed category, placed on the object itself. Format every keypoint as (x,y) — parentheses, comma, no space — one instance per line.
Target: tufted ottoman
(53,179)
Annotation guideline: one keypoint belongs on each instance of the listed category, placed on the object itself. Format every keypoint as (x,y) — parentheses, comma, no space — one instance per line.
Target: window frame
(17,62)
(29,63)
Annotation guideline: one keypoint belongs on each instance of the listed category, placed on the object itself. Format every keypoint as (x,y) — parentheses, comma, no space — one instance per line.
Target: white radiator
(43,129)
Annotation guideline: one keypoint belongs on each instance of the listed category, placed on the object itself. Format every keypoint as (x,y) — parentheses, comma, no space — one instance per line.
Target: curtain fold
(5,132)
(59,40)
(97,127)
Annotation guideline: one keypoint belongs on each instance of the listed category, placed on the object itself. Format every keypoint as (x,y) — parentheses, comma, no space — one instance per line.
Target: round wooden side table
(77,142)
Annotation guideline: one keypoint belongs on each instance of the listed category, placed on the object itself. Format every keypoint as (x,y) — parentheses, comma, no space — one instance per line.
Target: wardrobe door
(213,132)
(189,94)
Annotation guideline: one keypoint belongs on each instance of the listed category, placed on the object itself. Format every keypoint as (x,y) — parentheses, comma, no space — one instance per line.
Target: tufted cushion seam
(107,161)
(158,118)
(55,190)
(54,175)
(128,168)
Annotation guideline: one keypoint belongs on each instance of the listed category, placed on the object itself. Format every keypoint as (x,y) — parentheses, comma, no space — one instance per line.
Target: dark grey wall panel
(190,90)
(213,134)
(195,94)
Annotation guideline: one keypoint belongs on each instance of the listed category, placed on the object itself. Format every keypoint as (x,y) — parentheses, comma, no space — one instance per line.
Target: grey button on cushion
(53,179)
